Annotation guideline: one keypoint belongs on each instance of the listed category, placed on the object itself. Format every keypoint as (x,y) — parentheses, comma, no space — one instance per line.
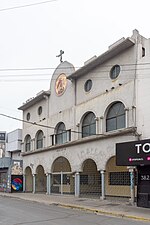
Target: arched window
(28,143)
(115,118)
(39,139)
(61,134)
(89,125)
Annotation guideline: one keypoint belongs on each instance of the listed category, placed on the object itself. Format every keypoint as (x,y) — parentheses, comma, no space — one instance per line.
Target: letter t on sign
(138,148)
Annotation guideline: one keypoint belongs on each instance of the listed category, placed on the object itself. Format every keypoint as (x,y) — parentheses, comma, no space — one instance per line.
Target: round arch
(40,179)
(110,105)
(61,164)
(90,181)
(87,163)
(60,133)
(28,180)
(115,116)
(85,114)
(88,126)
(62,177)
(39,139)
(117,179)
(27,143)
(59,125)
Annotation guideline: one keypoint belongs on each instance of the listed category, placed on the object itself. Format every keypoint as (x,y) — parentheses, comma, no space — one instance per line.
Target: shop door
(143,189)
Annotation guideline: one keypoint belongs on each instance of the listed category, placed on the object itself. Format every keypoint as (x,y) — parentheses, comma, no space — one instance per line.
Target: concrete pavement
(119,208)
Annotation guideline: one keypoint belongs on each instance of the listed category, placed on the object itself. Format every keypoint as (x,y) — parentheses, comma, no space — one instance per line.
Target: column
(101,124)
(103,184)
(22,147)
(44,144)
(33,144)
(134,116)
(61,178)
(24,182)
(97,125)
(48,175)
(127,117)
(77,184)
(34,188)
(132,185)
(78,130)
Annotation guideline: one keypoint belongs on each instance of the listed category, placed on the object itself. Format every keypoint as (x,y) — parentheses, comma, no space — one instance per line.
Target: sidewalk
(117,208)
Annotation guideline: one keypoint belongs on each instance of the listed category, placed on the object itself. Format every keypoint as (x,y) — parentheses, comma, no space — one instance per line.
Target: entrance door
(143,191)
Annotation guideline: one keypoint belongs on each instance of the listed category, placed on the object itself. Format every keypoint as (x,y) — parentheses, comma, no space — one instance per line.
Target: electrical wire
(33,123)
(28,5)
(94,76)
(36,68)
(69,67)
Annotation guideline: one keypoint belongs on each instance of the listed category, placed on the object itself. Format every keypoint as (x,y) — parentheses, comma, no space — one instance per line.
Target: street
(21,212)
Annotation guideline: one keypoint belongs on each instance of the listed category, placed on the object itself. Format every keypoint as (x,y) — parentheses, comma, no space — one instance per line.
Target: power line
(36,68)
(34,123)
(69,67)
(28,5)
(25,121)
(25,75)
(25,80)
(94,76)
(50,74)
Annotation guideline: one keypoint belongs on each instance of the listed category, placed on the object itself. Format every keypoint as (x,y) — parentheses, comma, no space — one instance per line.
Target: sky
(32,33)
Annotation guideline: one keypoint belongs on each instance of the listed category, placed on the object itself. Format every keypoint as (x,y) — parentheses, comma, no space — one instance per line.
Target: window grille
(83,179)
(120,178)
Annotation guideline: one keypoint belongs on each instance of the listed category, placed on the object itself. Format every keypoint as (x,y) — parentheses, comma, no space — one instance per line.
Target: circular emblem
(16,184)
(61,84)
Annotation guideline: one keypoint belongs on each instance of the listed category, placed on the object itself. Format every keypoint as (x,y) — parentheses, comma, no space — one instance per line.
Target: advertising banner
(133,153)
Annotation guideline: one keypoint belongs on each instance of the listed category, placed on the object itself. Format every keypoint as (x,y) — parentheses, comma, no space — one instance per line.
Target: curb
(104,212)
(83,208)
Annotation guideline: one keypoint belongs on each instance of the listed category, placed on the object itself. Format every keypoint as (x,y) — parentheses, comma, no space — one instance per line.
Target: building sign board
(133,153)
(2,136)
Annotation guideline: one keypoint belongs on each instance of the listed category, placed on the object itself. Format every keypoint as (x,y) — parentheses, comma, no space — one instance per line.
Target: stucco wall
(100,151)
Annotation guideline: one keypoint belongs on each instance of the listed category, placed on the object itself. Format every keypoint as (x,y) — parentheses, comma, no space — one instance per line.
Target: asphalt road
(21,212)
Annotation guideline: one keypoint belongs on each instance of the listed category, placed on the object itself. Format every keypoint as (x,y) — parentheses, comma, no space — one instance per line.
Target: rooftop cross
(60,55)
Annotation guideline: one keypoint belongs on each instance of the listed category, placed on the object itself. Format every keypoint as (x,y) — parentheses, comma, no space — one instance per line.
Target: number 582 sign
(145,177)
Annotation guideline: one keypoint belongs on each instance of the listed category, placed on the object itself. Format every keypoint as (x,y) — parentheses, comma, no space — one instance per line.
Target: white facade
(14,140)
(68,102)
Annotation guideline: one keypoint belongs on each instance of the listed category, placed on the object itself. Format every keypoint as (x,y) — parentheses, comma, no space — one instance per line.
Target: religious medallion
(61,84)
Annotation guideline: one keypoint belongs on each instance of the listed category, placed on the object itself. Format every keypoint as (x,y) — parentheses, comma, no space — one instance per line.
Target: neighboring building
(69,139)
(2,143)
(4,161)
(14,141)
(11,162)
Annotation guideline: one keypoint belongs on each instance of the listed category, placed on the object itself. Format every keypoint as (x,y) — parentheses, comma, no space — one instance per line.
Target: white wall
(14,140)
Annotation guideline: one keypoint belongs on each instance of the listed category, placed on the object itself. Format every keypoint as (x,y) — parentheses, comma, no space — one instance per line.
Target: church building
(72,133)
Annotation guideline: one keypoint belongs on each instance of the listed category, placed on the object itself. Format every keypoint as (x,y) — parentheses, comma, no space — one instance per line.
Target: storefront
(11,178)
(136,155)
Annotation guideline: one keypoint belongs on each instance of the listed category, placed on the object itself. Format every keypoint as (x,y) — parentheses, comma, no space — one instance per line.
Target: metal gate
(63,183)
(143,190)
(90,185)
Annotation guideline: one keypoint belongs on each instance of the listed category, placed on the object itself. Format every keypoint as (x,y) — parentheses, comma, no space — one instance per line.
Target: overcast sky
(31,36)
